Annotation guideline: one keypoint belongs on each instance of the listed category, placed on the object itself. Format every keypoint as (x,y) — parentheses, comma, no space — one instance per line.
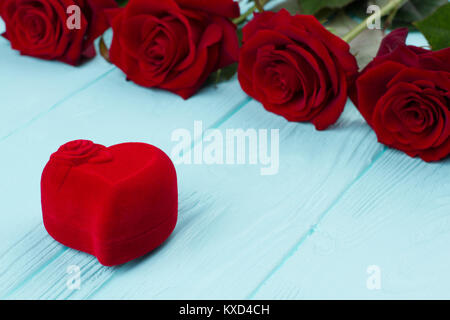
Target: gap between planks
(215,125)
(62,250)
(315,225)
(56,105)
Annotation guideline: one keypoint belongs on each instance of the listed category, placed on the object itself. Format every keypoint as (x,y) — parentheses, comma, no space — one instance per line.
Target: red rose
(39,28)
(295,67)
(174,44)
(404,95)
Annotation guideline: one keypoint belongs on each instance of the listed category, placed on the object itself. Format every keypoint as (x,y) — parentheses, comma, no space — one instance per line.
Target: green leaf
(122,3)
(293,6)
(340,24)
(365,46)
(314,6)
(416,10)
(259,5)
(436,28)
(412,11)
(222,75)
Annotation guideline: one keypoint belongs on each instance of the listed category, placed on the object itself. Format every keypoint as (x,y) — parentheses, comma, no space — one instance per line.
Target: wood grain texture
(106,118)
(340,201)
(395,217)
(244,223)
(30,87)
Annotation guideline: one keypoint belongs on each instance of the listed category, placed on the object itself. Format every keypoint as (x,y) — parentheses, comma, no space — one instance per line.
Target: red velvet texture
(116,203)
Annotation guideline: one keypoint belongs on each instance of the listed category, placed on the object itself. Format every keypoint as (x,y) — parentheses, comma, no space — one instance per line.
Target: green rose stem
(259,4)
(392,6)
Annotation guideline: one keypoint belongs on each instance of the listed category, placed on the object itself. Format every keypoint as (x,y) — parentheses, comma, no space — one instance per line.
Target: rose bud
(404,95)
(174,44)
(295,67)
(40,28)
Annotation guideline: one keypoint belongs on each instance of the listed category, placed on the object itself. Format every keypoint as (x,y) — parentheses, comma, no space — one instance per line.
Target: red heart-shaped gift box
(116,203)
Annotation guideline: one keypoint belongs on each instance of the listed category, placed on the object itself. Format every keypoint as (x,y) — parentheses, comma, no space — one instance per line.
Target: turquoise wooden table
(344,217)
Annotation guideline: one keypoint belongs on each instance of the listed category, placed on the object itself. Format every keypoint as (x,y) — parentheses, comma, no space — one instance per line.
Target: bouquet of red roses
(302,59)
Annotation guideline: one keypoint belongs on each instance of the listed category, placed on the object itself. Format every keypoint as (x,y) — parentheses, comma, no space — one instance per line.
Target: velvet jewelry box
(116,203)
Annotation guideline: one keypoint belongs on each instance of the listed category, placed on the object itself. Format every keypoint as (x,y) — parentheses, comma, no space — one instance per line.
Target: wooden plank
(32,87)
(236,230)
(108,112)
(242,223)
(397,218)
(326,265)
(222,206)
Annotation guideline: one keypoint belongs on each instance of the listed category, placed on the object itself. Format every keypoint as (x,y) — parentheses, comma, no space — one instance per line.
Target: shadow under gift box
(116,203)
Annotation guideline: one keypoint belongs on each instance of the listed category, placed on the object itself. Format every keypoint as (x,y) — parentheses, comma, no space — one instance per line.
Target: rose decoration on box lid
(81,151)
